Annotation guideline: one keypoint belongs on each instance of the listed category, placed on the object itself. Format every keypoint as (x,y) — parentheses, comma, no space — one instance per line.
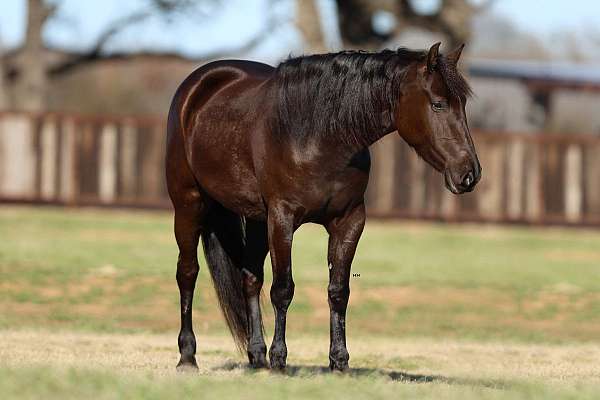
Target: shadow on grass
(307,371)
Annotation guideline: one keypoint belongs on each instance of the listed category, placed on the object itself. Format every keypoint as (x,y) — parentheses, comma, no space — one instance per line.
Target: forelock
(457,85)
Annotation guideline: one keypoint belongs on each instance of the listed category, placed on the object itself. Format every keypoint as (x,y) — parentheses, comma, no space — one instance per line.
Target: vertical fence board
(107,166)
(18,160)
(384,157)
(489,202)
(573,189)
(68,164)
(49,152)
(553,154)
(534,202)
(416,186)
(592,179)
(151,170)
(514,179)
(128,164)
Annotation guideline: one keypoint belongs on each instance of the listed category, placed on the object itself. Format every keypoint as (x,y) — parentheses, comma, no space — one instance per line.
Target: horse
(255,151)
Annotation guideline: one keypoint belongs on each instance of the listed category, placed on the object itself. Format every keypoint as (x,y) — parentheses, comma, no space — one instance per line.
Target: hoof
(338,366)
(257,360)
(277,365)
(278,360)
(187,365)
(338,360)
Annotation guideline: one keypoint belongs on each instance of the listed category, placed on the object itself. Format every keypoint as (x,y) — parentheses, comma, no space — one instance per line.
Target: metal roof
(559,73)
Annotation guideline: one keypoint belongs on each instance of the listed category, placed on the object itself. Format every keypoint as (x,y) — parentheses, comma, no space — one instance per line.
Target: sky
(237,21)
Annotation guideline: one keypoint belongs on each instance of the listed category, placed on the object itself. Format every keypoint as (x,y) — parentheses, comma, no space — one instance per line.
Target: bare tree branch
(95,52)
(170,7)
(165,8)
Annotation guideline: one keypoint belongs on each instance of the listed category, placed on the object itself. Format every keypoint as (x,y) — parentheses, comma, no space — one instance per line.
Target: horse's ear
(432,57)
(454,55)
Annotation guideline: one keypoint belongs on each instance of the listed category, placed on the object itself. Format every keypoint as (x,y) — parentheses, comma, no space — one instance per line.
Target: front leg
(344,233)
(281,229)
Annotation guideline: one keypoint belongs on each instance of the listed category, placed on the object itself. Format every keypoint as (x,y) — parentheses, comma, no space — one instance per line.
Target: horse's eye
(438,106)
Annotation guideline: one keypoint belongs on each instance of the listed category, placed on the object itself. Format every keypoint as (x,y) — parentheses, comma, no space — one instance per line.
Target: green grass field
(438,311)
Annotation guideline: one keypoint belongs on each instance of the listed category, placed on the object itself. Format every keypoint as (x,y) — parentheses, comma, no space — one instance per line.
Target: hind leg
(255,251)
(187,231)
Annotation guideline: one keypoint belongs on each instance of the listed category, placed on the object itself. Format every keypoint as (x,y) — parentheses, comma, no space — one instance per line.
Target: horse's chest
(333,195)
(328,187)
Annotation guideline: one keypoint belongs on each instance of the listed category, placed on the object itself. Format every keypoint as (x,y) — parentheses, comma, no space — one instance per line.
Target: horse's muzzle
(464,181)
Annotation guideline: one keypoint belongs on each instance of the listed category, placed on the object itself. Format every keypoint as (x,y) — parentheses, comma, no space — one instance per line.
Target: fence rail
(87,160)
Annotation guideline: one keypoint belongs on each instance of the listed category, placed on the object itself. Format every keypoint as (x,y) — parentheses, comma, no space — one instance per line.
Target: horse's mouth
(459,188)
(450,185)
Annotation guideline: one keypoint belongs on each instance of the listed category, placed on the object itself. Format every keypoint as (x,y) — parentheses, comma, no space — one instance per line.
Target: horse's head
(431,118)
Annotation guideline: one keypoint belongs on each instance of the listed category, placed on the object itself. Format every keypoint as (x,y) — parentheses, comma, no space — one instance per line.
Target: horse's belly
(237,191)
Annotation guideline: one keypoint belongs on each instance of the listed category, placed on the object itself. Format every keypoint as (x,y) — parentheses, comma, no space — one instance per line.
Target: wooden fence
(81,160)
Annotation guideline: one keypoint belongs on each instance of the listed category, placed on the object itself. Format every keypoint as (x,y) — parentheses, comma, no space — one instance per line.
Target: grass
(111,271)
(77,384)
(76,365)
(489,312)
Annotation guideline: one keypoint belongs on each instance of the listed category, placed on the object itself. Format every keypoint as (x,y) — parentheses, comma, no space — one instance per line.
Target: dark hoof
(278,359)
(338,366)
(277,364)
(257,359)
(338,360)
(187,364)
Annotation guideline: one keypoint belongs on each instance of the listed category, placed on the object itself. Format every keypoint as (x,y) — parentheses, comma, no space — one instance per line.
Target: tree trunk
(308,22)
(32,80)
(3,87)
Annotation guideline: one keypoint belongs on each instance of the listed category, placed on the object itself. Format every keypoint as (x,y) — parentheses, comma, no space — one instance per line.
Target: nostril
(468,179)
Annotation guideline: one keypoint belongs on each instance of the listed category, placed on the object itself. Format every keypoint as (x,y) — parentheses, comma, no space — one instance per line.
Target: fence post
(49,150)
(68,162)
(489,201)
(416,186)
(386,167)
(592,179)
(152,161)
(17,157)
(534,202)
(573,190)
(515,178)
(128,160)
(107,165)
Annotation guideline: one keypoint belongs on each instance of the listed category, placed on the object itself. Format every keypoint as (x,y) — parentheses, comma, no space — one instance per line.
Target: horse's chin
(450,185)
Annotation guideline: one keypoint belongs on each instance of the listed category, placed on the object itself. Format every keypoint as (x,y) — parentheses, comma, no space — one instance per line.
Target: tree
(309,24)
(452,18)
(31,86)
(31,70)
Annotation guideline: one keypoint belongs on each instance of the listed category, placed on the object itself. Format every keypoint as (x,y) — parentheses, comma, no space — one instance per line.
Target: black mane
(351,93)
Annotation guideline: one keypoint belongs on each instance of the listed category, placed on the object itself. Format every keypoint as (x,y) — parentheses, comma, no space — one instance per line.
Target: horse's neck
(388,126)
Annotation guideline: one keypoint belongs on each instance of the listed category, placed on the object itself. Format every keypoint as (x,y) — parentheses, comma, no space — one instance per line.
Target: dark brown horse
(253,152)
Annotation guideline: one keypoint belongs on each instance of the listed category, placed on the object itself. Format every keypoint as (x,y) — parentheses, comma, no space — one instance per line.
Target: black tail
(223,242)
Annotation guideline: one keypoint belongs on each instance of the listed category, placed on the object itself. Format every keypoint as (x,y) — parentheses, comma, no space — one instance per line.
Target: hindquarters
(219,112)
